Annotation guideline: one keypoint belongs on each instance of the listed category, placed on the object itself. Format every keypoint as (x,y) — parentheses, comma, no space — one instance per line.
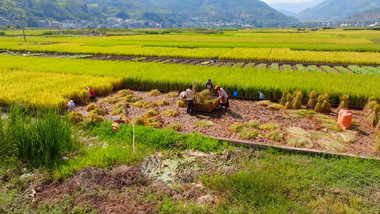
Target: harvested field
(322,128)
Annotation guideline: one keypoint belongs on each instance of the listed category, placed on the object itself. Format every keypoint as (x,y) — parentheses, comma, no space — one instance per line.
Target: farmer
(71,105)
(189,96)
(209,86)
(92,94)
(223,96)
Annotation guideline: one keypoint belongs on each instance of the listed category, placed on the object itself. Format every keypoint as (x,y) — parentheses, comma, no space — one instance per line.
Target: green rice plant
(181,104)
(302,113)
(124,93)
(328,123)
(170,113)
(173,94)
(313,68)
(252,124)
(163,102)
(154,93)
(328,69)
(342,69)
(344,102)
(264,103)
(366,70)
(274,66)
(204,123)
(132,98)
(150,113)
(91,106)
(299,137)
(94,118)
(143,104)
(99,111)
(287,67)
(270,127)
(174,126)
(75,117)
(249,134)
(300,67)
(313,100)
(236,127)
(276,106)
(276,136)
(40,140)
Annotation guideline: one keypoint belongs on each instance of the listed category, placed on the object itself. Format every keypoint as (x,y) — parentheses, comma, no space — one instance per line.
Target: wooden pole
(133,127)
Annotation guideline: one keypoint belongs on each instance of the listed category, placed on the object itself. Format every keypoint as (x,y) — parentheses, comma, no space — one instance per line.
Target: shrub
(204,123)
(164,102)
(154,93)
(2,33)
(75,117)
(170,113)
(173,94)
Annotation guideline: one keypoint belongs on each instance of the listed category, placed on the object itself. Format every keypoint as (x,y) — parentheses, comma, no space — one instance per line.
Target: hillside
(367,15)
(295,7)
(252,12)
(336,10)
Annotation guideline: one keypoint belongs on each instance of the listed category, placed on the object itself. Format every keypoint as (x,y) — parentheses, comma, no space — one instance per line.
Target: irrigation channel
(281,66)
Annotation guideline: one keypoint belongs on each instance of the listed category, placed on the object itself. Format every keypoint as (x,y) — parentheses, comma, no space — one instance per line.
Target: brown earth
(241,111)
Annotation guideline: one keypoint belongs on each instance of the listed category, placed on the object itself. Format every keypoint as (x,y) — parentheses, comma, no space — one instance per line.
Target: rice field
(248,81)
(282,46)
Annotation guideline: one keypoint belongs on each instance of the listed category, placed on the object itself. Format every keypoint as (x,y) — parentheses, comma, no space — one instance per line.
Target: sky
(283,1)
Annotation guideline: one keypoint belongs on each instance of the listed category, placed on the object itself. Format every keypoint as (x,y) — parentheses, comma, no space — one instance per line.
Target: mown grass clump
(204,123)
(377,145)
(109,100)
(143,104)
(270,127)
(163,102)
(299,137)
(99,111)
(150,113)
(154,93)
(249,134)
(372,110)
(174,126)
(276,136)
(39,140)
(237,127)
(170,113)
(181,104)
(132,98)
(252,124)
(173,94)
(91,106)
(95,118)
(75,117)
(124,93)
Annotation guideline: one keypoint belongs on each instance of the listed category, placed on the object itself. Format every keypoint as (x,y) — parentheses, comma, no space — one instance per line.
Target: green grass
(177,77)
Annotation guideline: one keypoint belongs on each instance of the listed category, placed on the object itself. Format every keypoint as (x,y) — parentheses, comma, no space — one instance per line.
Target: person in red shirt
(92,94)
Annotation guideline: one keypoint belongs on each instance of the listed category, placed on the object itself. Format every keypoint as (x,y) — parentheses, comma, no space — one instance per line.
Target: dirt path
(242,111)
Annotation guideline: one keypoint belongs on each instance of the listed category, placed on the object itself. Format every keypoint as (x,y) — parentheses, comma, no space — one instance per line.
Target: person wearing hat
(223,96)
(92,94)
(209,86)
(71,105)
(190,96)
